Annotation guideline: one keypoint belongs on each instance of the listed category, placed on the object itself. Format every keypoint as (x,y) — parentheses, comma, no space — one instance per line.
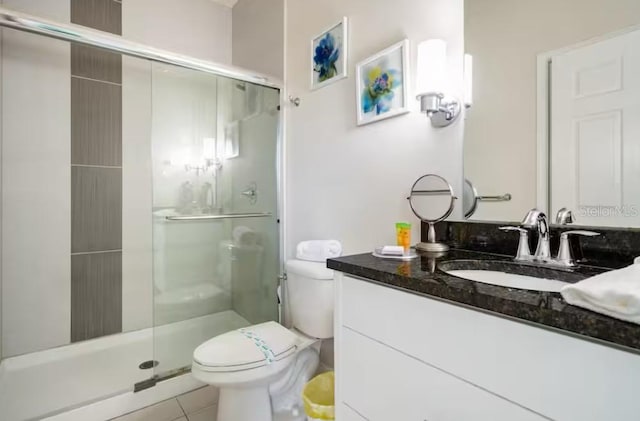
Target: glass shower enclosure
(139,213)
(215,199)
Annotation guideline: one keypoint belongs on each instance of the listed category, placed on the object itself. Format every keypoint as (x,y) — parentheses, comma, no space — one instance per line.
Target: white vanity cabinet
(404,357)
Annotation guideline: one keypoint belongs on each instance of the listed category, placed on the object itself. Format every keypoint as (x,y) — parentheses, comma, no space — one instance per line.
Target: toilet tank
(310,297)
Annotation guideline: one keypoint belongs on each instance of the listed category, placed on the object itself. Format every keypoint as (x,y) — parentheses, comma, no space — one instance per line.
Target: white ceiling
(228,3)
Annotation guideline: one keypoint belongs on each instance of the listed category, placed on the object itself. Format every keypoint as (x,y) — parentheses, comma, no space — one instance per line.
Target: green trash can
(318,397)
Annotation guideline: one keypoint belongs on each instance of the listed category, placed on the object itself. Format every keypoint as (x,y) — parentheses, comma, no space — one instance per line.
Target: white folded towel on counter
(318,250)
(615,293)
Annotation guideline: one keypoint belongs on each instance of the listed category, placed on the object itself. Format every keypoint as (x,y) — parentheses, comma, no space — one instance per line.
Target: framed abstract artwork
(382,84)
(329,55)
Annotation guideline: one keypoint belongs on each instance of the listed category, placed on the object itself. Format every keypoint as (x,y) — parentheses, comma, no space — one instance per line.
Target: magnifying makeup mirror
(432,201)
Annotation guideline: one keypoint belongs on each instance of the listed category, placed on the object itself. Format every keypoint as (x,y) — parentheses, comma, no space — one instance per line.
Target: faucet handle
(524,252)
(579,232)
(564,252)
(511,228)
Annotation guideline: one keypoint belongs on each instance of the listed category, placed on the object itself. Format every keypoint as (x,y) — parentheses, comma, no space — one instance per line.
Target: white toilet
(260,370)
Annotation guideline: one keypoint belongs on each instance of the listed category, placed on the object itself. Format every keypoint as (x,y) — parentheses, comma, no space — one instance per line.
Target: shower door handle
(214,217)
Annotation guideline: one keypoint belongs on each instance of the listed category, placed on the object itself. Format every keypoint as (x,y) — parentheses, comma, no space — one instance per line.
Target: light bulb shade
(468,80)
(432,67)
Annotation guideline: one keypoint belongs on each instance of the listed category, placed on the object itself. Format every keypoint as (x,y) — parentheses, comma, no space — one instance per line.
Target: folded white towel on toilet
(615,293)
(318,250)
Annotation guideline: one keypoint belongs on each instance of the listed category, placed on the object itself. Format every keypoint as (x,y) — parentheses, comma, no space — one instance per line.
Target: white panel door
(595,132)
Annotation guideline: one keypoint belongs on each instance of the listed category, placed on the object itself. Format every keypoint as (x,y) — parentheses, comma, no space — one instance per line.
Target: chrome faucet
(538,220)
(564,217)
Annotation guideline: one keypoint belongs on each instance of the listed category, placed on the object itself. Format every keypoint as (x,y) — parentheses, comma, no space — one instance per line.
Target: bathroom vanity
(415,343)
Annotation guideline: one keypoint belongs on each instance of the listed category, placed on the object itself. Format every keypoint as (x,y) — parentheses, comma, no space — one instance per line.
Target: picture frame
(329,55)
(376,100)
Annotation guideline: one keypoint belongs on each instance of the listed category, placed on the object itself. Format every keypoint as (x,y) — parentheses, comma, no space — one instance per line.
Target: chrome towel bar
(214,217)
(503,198)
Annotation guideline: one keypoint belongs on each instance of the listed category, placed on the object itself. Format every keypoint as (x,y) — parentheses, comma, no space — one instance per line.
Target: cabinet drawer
(383,384)
(562,377)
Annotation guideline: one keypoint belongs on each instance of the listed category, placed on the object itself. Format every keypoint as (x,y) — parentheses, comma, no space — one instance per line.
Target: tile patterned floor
(198,405)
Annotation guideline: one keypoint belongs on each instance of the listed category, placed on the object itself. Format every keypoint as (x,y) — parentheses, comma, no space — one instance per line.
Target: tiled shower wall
(96,177)
(38,162)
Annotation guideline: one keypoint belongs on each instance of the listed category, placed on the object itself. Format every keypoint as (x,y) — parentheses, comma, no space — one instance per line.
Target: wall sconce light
(432,84)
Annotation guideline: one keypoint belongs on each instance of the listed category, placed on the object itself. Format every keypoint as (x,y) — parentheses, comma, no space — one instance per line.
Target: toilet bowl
(261,369)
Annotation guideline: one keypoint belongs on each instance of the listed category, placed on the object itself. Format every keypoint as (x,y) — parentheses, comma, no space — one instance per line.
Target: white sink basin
(509,280)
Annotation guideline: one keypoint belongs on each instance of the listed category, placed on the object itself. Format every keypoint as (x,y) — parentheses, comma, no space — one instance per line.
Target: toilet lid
(246,348)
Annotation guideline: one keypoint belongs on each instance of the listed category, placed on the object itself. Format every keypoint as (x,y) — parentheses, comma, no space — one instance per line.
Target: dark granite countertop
(423,276)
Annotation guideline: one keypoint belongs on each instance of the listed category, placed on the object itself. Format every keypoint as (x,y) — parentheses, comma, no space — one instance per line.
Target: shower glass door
(216,256)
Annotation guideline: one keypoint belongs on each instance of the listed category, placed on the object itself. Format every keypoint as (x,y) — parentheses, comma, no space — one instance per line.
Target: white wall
(258,36)
(36,287)
(198,28)
(137,253)
(348,182)
(505,36)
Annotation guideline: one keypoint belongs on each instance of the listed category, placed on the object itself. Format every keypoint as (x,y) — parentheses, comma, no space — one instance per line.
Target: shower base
(100,373)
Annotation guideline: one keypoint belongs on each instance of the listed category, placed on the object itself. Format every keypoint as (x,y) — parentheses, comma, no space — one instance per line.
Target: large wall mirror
(556,116)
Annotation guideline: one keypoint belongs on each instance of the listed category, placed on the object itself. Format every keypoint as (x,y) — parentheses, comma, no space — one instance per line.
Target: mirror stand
(432,245)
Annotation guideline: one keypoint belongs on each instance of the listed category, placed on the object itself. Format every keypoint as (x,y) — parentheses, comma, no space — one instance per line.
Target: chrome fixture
(499,198)
(432,87)
(564,217)
(440,109)
(524,252)
(82,35)
(251,192)
(471,198)
(214,217)
(565,257)
(538,220)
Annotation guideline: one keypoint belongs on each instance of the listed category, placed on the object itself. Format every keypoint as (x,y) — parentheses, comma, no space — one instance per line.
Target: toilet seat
(244,349)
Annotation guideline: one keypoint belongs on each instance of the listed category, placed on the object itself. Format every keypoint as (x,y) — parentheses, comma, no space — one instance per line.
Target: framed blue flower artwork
(382,84)
(329,55)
